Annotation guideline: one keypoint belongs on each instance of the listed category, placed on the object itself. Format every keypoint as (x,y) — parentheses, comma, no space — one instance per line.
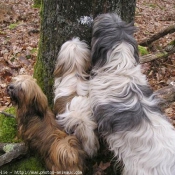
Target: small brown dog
(39,130)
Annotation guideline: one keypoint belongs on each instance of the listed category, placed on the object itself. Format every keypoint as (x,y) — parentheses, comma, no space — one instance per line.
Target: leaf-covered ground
(152,16)
(19,36)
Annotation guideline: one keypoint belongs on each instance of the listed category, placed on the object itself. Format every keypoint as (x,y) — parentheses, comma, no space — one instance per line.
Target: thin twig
(162,33)
(7,114)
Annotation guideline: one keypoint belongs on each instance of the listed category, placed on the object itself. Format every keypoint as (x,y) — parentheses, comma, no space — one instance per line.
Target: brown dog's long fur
(38,128)
(60,104)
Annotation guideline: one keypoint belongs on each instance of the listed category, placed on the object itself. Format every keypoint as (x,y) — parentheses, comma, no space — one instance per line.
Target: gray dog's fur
(123,104)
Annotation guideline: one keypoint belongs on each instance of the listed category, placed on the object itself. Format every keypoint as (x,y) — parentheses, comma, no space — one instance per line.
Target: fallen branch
(12,151)
(158,55)
(147,42)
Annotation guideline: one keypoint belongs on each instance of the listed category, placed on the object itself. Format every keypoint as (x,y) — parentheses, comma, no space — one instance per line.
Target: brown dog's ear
(58,72)
(40,103)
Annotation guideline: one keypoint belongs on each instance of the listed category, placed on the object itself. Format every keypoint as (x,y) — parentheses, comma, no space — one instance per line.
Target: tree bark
(128,10)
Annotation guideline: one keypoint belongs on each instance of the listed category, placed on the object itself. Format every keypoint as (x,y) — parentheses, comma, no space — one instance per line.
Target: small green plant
(36,6)
(172,43)
(34,50)
(13,26)
(142,50)
(153,5)
(28,56)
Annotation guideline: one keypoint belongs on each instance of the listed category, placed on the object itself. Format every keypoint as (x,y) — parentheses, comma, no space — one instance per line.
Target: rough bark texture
(60,21)
(128,10)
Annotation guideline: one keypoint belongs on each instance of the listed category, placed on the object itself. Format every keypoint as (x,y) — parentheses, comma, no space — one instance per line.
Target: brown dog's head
(25,93)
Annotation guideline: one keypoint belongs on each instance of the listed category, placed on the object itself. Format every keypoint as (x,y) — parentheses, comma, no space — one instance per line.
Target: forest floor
(19,36)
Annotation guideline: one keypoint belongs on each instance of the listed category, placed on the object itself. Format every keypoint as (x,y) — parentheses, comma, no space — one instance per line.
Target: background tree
(60,21)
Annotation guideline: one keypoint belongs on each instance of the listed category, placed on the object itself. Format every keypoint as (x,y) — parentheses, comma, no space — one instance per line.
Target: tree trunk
(60,21)
(128,10)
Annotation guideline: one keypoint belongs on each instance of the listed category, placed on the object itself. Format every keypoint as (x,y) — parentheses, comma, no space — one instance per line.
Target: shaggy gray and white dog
(123,104)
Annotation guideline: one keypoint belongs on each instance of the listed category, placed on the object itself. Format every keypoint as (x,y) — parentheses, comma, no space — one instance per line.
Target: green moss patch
(8,127)
(27,166)
(13,26)
(22,165)
(142,50)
